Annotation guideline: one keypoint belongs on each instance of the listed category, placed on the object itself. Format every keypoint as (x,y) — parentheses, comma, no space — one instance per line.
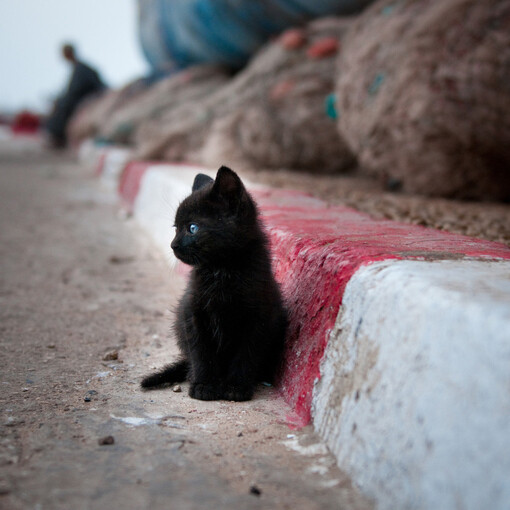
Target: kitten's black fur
(231,321)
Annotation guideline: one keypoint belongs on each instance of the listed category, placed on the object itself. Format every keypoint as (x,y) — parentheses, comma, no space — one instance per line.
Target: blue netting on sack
(179,33)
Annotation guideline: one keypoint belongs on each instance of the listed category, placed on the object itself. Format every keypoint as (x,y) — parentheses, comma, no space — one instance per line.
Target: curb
(398,345)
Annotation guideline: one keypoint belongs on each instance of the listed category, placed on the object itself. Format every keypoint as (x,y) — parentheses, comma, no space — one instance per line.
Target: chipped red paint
(130,180)
(132,174)
(316,251)
(100,164)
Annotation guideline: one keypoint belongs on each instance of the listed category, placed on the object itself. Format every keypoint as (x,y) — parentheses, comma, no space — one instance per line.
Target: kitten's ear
(228,185)
(200,181)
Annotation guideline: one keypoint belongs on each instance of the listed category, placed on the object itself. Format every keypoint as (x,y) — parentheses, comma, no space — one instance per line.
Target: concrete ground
(79,286)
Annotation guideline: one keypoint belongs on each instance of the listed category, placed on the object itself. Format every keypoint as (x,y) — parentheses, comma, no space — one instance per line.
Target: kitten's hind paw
(238,393)
(202,391)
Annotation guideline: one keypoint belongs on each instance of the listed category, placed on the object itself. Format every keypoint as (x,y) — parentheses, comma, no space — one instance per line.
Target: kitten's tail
(176,372)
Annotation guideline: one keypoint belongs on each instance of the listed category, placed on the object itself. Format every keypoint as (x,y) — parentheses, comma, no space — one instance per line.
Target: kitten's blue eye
(193,228)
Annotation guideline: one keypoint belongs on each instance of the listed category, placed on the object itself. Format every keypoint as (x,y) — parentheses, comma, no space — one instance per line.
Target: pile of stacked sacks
(413,92)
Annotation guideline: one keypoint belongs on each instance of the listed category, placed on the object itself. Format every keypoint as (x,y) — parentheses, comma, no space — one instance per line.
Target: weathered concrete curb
(400,361)
(107,162)
(414,397)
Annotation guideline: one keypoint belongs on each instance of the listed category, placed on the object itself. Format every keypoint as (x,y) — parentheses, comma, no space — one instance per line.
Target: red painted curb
(131,178)
(100,165)
(316,251)
(129,182)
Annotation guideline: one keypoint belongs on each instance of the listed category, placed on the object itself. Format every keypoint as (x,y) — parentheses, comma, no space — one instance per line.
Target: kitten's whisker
(170,204)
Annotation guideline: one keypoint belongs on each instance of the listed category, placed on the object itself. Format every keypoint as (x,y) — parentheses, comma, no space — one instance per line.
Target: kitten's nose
(174,244)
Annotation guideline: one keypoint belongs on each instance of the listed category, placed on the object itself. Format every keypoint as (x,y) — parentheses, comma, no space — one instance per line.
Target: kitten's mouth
(177,253)
(184,258)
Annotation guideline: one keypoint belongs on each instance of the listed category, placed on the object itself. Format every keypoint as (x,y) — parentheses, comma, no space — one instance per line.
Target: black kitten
(230,321)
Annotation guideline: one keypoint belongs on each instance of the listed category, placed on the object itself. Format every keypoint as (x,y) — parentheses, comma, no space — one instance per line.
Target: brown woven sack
(167,94)
(276,115)
(423,95)
(175,133)
(272,114)
(92,113)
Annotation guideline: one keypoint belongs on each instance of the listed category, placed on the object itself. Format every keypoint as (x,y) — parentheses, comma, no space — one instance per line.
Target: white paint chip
(309,450)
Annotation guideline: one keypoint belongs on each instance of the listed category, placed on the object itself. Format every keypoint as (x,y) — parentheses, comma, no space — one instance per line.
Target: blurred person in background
(84,82)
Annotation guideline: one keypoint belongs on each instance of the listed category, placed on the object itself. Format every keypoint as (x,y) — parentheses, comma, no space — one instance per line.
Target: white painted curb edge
(414,399)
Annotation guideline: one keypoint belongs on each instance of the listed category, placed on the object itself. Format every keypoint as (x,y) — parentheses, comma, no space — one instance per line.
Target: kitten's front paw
(202,391)
(238,393)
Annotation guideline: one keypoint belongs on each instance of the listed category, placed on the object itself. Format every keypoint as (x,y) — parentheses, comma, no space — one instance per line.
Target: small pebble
(120,259)
(239,434)
(106,440)
(176,389)
(110,356)
(88,396)
(4,489)
(255,490)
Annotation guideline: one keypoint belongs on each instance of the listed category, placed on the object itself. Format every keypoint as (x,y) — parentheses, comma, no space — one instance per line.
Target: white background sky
(31,32)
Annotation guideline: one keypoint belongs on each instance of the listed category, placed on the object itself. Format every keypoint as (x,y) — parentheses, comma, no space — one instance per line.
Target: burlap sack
(185,86)
(272,114)
(92,113)
(175,133)
(423,95)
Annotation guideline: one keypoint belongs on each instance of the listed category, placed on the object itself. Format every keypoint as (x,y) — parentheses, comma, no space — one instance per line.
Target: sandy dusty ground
(80,286)
(486,220)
